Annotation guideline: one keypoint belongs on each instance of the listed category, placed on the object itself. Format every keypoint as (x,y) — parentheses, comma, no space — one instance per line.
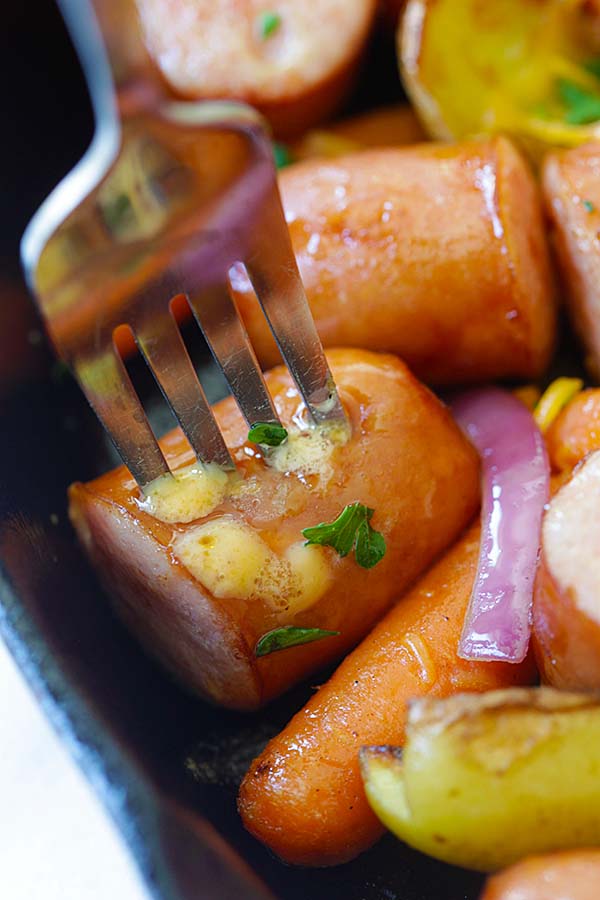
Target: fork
(169,196)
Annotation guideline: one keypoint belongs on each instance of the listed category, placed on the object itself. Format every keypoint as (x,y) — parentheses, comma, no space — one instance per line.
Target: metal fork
(168,197)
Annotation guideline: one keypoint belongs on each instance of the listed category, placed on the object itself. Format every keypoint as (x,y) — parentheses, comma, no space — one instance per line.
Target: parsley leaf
(370,546)
(289,636)
(282,155)
(593,67)
(350,530)
(582,107)
(269,433)
(117,210)
(268,23)
(588,206)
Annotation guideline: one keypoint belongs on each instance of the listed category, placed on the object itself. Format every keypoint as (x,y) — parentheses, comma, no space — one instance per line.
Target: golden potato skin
(406,459)
(570,875)
(297,75)
(571,185)
(486,780)
(436,253)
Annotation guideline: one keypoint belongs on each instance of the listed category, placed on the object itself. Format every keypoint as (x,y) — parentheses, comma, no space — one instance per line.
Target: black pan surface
(166,764)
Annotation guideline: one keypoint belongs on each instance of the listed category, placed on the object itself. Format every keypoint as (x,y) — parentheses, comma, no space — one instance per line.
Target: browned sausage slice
(210,564)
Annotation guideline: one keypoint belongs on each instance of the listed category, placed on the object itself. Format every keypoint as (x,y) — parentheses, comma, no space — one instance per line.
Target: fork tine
(228,340)
(109,390)
(274,275)
(160,342)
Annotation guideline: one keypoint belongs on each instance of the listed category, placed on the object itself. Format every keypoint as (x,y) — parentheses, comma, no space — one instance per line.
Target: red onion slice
(515,487)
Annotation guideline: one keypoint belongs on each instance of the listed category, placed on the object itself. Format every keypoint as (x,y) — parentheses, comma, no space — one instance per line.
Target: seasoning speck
(589,206)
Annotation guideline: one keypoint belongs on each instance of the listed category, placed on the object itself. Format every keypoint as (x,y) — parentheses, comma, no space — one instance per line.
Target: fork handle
(120,75)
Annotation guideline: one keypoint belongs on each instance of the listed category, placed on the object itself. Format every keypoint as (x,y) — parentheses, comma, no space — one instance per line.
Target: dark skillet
(166,764)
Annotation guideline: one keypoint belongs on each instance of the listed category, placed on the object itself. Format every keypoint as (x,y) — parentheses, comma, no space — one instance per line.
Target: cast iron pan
(166,764)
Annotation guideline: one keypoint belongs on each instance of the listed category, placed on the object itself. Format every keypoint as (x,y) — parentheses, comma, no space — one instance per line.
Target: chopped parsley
(588,206)
(581,106)
(351,530)
(268,23)
(282,155)
(593,67)
(289,636)
(117,210)
(269,433)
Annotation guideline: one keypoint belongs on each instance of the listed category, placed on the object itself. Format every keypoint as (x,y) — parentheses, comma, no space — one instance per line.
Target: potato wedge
(475,68)
(486,780)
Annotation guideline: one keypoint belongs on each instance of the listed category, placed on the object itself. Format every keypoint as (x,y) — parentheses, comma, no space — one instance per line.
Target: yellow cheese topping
(195,491)
(189,493)
(308,452)
(233,561)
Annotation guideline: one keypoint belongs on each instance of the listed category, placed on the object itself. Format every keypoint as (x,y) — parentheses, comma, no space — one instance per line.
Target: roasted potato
(485,780)
(511,66)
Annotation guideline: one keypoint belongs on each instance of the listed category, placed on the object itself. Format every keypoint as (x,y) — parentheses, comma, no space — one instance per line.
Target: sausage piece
(294,60)
(386,126)
(202,580)
(571,184)
(575,432)
(570,875)
(303,796)
(566,616)
(436,253)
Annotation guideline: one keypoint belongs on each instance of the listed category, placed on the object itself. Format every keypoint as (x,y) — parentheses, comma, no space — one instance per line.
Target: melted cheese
(190,493)
(233,561)
(311,572)
(308,452)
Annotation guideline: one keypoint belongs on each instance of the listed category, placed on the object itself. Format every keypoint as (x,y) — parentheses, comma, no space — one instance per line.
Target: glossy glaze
(303,796)
(406,459)
(435,253)
(297,75)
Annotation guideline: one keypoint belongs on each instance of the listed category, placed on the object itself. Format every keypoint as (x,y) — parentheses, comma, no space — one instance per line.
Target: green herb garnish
(267,433)
(593,67)
(350,530)
(289,636)
(117,210)
(588,206)
(582,106)
(268,23)
(282,155)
